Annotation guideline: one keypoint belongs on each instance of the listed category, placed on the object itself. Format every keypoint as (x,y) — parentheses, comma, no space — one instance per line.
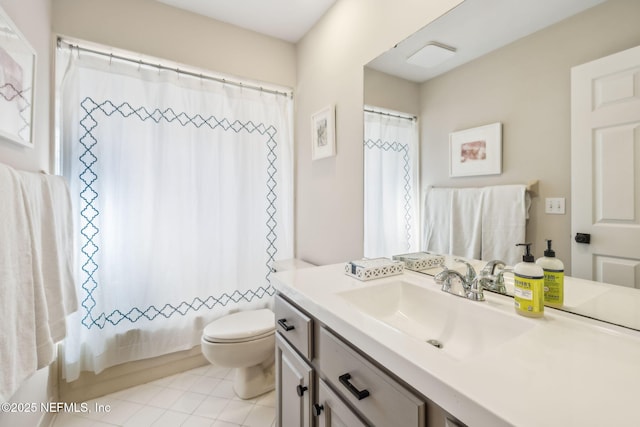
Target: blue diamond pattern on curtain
(182,194)
(89,213)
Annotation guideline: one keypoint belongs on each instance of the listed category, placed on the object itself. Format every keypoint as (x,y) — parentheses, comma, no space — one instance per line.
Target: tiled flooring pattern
(200,397)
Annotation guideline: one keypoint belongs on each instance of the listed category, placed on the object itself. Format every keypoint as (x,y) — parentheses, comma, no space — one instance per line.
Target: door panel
(605,160)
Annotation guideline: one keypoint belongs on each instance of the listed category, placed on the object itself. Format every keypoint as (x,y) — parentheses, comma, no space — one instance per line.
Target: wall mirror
(509,63)
(17,76)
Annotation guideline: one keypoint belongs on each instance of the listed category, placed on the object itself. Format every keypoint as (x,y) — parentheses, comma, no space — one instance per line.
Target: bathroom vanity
(398,351)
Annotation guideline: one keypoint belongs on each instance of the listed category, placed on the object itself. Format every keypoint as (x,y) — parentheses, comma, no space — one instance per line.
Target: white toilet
(245,341)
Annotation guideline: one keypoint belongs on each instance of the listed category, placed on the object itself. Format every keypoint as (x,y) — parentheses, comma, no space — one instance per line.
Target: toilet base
(255,380)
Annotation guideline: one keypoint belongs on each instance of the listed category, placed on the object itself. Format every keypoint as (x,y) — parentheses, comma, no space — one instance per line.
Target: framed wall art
(17,77)
(323,133)
(476,151)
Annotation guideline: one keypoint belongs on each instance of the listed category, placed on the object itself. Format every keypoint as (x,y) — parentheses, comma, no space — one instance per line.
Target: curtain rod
(398,116)
(177,70)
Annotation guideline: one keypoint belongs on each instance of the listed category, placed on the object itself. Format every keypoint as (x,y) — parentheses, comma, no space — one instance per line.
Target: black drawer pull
(317,409)
(283,323)
(300,389)
(359,394)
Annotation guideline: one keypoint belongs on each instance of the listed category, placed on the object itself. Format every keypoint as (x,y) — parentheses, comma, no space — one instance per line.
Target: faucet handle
(492,276)
(442,278)
(490,267)
(471,272)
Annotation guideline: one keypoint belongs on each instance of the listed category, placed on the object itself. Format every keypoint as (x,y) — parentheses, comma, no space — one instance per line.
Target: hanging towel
(18,347)
(50,208)
(436,232)
(504,217)
(466,223)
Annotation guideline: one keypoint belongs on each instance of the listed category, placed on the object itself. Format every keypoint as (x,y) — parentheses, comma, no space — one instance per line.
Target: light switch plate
(554,205)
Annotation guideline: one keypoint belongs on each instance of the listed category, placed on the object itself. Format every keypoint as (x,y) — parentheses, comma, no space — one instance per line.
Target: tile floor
(200,397)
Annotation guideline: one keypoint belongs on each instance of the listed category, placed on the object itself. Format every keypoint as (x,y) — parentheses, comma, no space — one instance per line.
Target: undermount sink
(458,327)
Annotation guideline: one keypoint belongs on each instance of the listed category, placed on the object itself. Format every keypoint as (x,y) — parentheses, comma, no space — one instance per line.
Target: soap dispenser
(553,277)
(529,285)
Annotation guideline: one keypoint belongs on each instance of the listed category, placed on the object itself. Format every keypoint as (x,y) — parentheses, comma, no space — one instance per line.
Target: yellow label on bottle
(554,287)
(529,294)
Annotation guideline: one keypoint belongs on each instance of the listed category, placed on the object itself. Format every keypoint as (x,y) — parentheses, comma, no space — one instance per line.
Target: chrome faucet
(491,276)
(469,286)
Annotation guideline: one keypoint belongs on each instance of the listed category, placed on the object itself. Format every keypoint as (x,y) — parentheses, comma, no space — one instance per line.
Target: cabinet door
(332,411)
(293,387)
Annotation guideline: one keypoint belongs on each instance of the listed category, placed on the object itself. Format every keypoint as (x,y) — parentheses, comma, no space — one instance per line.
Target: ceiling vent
(432,55)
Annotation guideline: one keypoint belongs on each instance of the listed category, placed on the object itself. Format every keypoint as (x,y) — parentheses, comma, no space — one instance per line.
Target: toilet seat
(240,327)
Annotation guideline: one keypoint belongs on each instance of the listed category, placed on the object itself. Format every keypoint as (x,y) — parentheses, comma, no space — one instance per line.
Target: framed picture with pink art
(476,151)
(17,76)
(323,133)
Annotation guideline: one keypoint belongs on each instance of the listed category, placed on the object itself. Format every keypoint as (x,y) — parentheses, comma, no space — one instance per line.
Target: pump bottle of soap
(553,277)
(529,285)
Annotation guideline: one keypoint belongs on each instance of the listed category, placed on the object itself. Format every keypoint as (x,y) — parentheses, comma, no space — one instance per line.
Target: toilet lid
(243,325)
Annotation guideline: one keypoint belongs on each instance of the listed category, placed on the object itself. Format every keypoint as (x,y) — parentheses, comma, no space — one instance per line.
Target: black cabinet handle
(359,394)
(283,323)
(300,389)
(317,409)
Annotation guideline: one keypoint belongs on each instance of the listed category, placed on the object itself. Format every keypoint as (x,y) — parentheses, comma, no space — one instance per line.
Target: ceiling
(474,28)
(288,20)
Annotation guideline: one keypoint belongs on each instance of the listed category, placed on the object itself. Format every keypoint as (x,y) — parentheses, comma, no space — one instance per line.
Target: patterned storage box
(375,268)
(418,261)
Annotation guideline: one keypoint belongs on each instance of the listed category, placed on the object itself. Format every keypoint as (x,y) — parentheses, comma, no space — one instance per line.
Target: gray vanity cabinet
(294,387)
(295,391)
(323,381)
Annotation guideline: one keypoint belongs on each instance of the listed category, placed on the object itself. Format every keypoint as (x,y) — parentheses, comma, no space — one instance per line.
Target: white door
(605,168)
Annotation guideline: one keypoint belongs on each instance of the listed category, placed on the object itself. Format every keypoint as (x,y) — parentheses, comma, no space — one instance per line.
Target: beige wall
(526,86)
(393,93)
(330,59)
(153,28)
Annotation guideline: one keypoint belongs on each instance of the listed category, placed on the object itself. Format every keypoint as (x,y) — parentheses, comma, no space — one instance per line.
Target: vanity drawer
(294,326)
(376,396)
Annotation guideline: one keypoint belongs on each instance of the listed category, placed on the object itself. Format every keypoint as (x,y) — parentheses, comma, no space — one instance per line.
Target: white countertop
(564,371)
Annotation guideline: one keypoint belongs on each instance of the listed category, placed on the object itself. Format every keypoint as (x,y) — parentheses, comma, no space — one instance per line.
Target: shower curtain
(390,184)
(182,193)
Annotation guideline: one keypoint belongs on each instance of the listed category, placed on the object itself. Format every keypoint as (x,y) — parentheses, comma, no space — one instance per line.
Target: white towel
(477,223)
(504,222)
(50,207)
(466,223)
(436,231)
(18,347)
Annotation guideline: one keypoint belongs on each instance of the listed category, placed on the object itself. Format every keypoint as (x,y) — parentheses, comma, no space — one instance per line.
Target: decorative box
(374,268)
(418,261)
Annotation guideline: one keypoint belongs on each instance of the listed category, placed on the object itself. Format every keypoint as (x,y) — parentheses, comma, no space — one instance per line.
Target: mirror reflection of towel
(478,223)
(504,222)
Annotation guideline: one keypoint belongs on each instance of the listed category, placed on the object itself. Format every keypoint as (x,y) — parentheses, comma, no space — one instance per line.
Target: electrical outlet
(554,205)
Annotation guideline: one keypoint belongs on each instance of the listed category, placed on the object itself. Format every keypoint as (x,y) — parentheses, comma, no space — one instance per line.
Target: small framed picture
(323,133)
(17,77)
(476,151)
